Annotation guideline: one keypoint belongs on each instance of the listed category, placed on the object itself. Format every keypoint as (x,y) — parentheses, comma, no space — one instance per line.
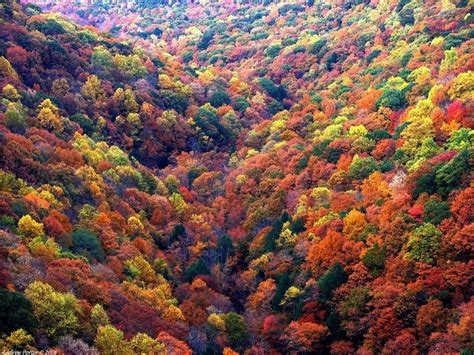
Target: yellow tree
(462,86)
(143,344)
(141,270)
(354,224)
(134,225)
(178,202)
(99,316)
(420,127)
(126,100)
(57,313)
(216,321)
(6,69)
(48,116)
(229,351)
(10,92)
(92,89)
(29,228)
(18,340)
(110,341)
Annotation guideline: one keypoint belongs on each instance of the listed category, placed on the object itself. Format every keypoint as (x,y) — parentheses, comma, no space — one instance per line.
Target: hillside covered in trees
(237,178)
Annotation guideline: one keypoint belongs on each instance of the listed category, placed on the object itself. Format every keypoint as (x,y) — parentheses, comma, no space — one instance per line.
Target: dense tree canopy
(236,177)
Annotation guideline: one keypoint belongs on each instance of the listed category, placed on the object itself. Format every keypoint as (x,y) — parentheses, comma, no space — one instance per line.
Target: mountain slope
(254,178)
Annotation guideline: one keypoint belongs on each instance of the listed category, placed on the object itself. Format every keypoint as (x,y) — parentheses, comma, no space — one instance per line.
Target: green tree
(355,303)
(16,311)
(461,138)
(208,122)
(236,330)
(332,279)
(273,50)
(391,98)
(86,243)
(374,259)
(174,100)
(278,92)
(99,316)
(317,46)
(425,183)
(102,57)
(219,98)
(448,177)
(206,39)
(406,17)
(199,267)
(188,56)
(423,245)
(274,233)
(131,65)
(361,168)
(15,120)
(435,211)
(85,122)
(224,247)
(283,283)
(241,104)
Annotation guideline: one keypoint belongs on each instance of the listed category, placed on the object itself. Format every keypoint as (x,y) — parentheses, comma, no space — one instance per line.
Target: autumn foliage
(236,178)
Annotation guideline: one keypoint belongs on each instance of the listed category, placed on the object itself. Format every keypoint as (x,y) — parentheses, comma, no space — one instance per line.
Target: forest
(237,177)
